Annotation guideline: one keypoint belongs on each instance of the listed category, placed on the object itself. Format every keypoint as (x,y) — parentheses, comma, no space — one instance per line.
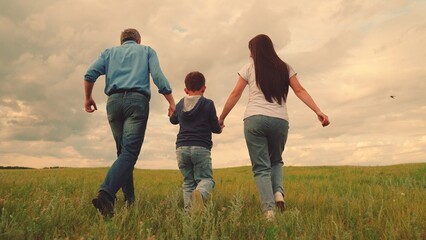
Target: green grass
(322,203)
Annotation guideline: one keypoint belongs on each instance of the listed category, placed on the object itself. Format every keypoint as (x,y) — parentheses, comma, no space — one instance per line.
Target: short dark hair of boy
(194,81)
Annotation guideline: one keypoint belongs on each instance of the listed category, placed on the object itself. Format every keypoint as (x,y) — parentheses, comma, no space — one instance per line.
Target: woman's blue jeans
(265,138)
(127,116)
(195,164)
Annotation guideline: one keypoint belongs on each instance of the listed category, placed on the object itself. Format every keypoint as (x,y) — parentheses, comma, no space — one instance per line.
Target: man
(126,68)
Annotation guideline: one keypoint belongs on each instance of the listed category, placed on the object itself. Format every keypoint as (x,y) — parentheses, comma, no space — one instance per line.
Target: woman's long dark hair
(271,72)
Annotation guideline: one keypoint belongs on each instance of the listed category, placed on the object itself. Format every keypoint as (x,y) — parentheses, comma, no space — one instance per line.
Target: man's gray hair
(130,34)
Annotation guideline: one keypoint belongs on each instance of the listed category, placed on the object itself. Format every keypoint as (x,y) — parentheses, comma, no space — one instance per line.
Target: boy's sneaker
(104,204)
(279,201)
(269,215)
(197,201)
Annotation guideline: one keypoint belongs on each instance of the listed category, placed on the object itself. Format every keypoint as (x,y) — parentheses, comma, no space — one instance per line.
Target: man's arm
(89,102)
(158,77)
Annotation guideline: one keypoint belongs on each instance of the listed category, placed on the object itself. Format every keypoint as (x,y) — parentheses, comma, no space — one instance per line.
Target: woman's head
(271,72)
(261,46)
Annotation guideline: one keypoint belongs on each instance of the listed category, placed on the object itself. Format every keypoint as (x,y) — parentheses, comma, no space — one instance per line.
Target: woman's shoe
(279,201)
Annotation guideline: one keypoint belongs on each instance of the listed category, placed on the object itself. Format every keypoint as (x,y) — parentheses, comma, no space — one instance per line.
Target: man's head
(130,34)
(195,81)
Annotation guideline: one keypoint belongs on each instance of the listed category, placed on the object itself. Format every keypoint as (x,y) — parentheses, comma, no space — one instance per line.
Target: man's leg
(135,109)
(129,191)
(116,121)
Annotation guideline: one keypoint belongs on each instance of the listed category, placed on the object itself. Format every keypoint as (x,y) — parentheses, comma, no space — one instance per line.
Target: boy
(196,116)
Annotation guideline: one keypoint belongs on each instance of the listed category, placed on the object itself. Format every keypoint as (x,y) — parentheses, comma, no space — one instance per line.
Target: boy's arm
(174,118)
(216,128)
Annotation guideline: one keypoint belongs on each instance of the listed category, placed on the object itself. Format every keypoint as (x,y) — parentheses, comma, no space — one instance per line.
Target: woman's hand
(222,122)
(323,119)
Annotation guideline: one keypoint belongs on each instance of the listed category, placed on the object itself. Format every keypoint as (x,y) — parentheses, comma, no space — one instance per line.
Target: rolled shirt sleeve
(96,69)
(129,67)
(157,75)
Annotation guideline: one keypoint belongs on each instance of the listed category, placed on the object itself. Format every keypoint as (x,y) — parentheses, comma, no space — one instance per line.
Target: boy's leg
(183,156)
(203,172)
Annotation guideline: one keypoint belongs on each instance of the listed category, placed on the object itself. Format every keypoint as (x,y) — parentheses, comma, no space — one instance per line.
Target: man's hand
(88,105)
(172,105)
(88,88)
(172,108)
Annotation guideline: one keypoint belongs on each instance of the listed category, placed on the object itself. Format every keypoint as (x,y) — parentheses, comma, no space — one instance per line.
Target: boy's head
(195,81)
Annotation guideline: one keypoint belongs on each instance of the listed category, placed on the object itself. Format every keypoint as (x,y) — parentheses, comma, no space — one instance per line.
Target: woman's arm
(303,95)
(214,121)
(232,99)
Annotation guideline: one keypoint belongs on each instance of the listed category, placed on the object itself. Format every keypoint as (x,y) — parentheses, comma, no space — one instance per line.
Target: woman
(266,118)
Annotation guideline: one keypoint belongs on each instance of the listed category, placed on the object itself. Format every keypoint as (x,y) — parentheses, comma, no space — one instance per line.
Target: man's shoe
(104,204)
(197,201)
(279,201)
(129,204)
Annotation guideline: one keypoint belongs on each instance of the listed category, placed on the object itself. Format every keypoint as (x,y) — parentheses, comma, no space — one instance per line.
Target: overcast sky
(351,56)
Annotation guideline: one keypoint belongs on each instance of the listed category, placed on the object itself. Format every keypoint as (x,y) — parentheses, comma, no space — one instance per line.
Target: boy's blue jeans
(195,164)
(127,116)
(266,137)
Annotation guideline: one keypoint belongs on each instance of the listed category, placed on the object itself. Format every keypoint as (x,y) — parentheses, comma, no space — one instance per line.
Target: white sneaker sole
(279,201)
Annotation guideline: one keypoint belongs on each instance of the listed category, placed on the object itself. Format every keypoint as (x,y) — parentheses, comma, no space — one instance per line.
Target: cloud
(350,56)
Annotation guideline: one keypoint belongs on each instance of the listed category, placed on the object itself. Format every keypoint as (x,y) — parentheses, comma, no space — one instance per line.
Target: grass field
(386,202)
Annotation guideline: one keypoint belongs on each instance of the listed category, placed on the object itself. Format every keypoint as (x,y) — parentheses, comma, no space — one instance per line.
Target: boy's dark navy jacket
(197,124)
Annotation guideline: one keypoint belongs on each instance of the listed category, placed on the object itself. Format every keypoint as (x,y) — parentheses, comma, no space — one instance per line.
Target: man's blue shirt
(127,67)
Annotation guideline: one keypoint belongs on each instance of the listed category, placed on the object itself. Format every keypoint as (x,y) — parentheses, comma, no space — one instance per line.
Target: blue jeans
(265,138)
(195,164)
(127,116)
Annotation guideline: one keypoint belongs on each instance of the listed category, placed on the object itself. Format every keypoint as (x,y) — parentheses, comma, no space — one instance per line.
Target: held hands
(88,105)
(171,109)
(222,123)
(172,104)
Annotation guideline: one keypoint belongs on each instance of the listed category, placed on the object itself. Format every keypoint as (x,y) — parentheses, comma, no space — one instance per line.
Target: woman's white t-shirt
(257,104)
